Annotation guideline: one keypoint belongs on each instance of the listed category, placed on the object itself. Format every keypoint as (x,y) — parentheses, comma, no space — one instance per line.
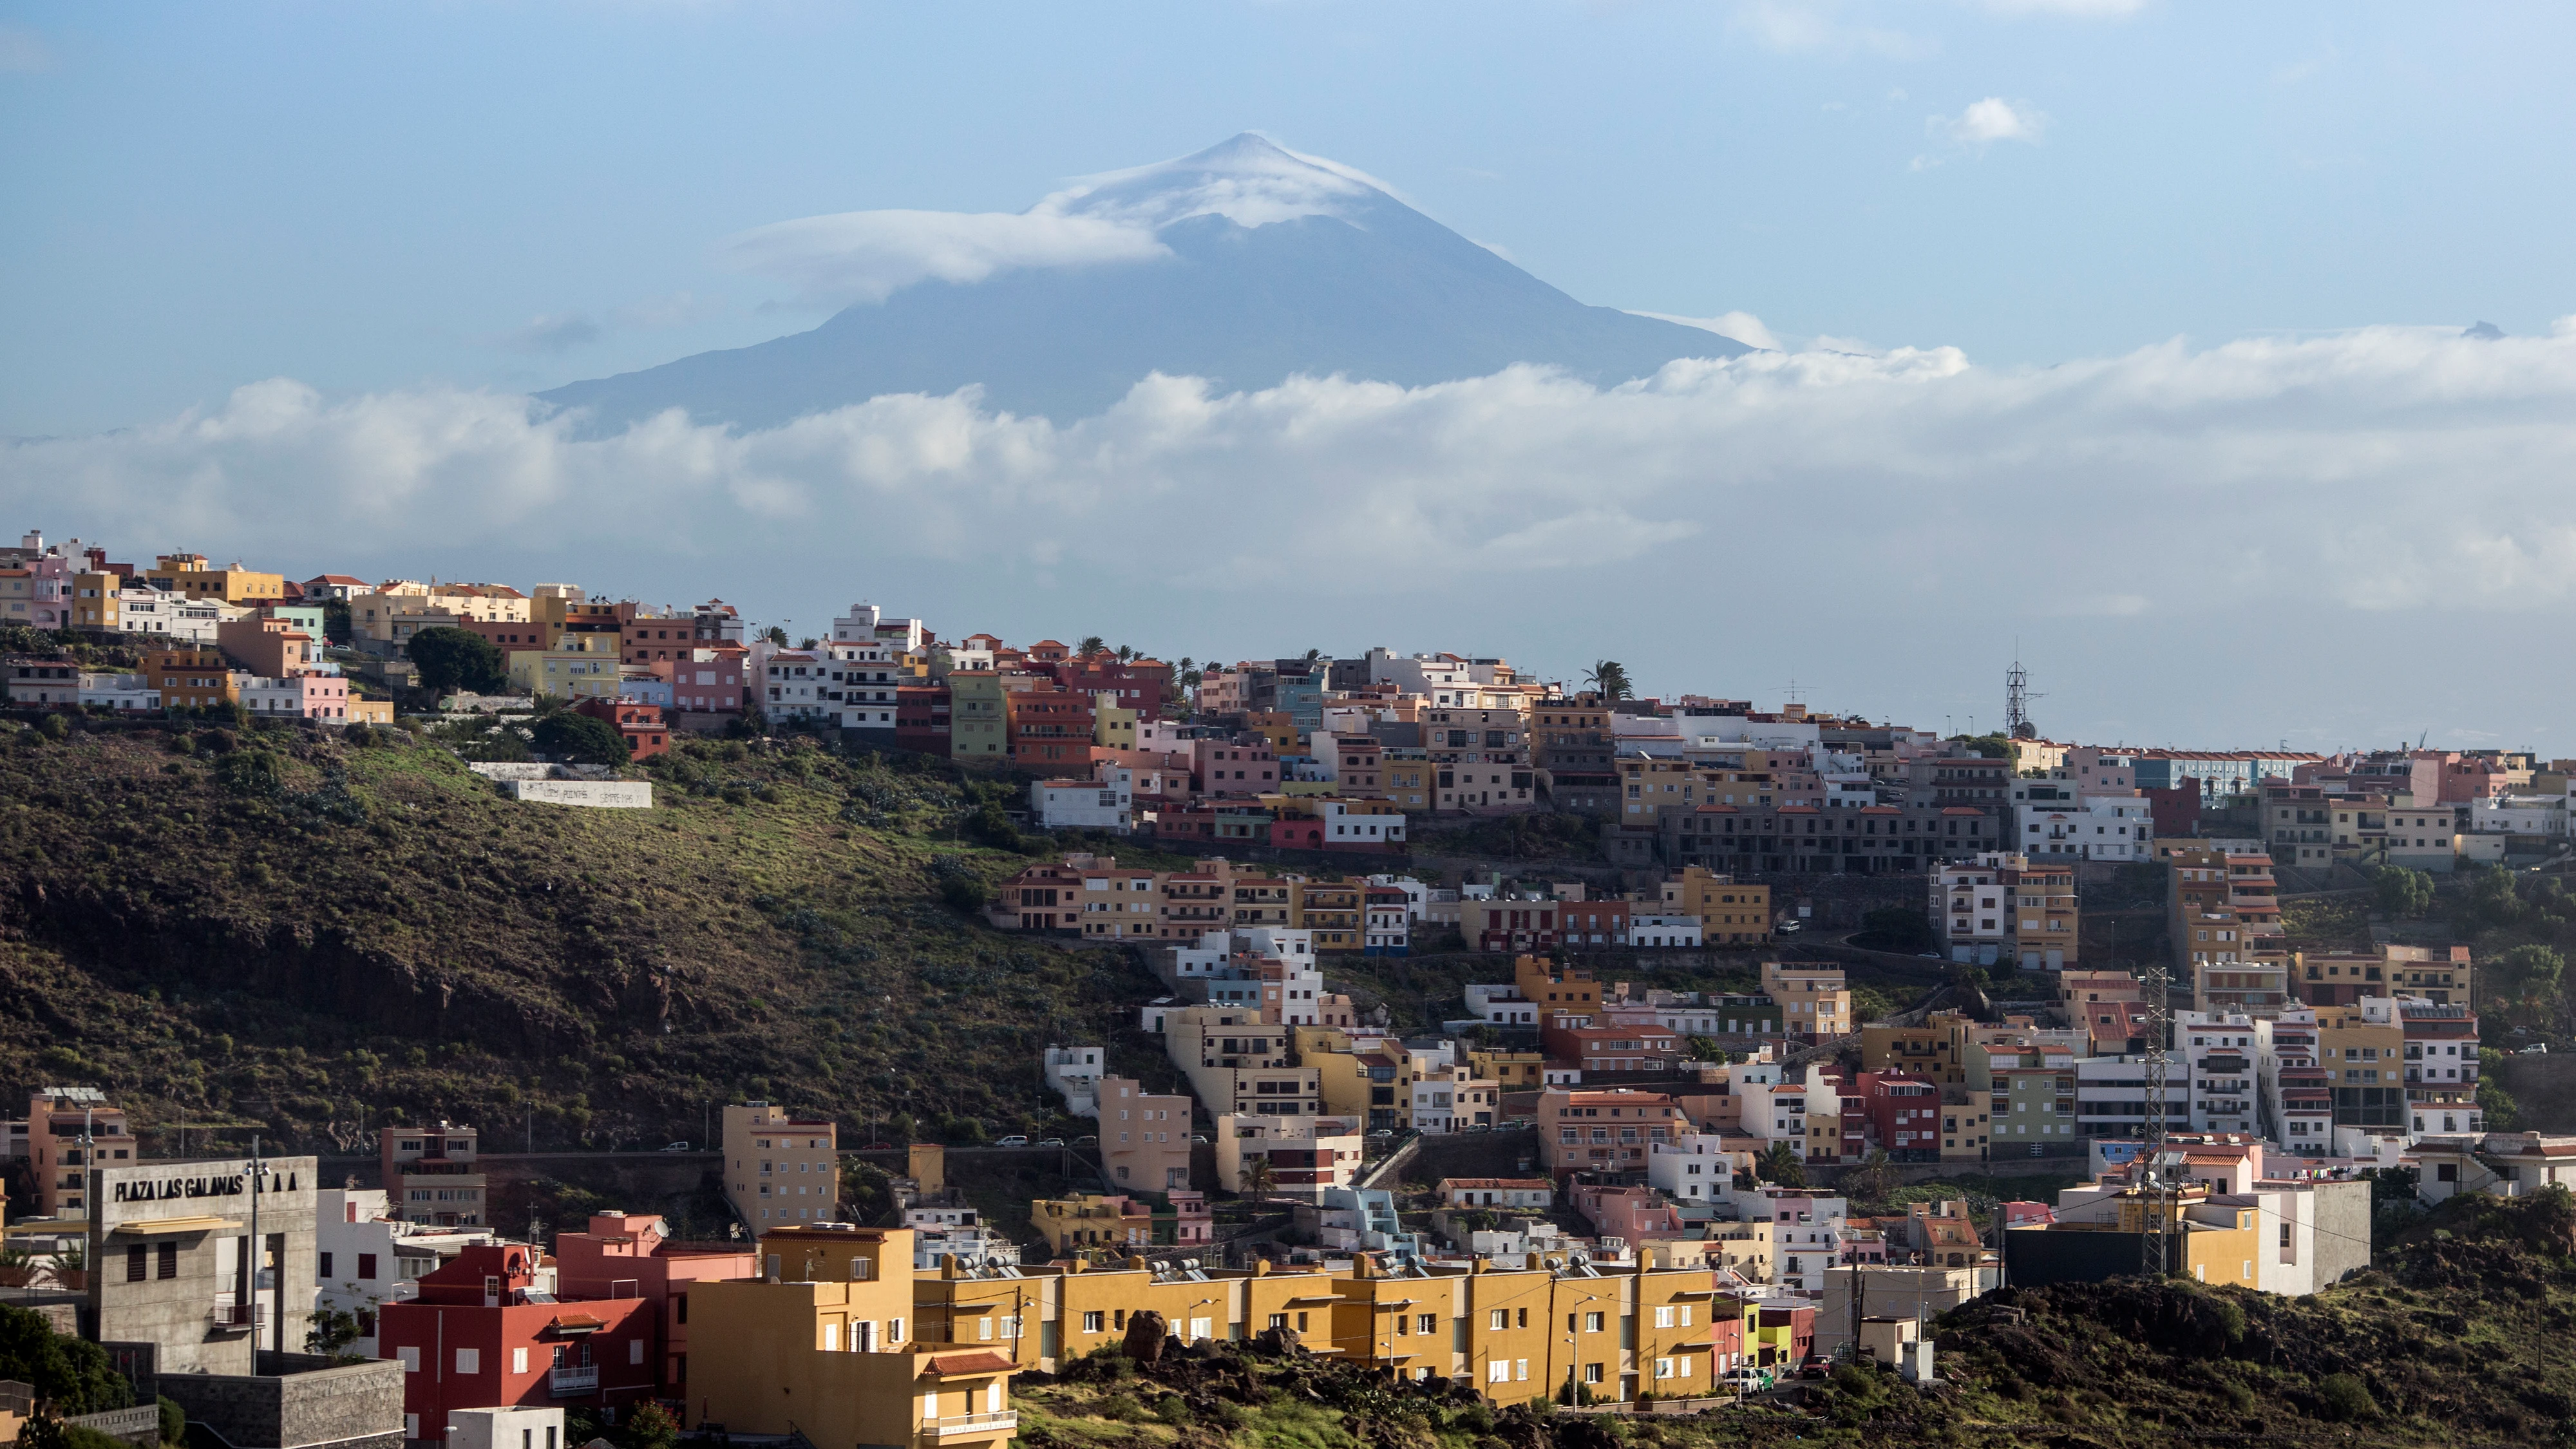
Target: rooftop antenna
(2017,698)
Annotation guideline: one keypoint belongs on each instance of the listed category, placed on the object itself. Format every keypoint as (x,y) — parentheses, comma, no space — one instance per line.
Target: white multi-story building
(797,684)
(1083,804)
(1075,1073)
(1692,1168)
(2111,1095)
(1808,1233)
(2220,1050)
(1972,909)
(2519,815)
(2057,817)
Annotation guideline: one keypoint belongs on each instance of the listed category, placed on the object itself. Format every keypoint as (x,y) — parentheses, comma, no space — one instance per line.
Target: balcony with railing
(228,1316)
(565,1383)
(954,1426)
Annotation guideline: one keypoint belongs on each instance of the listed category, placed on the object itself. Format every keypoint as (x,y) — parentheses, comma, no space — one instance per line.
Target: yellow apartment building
(1730,914)
(191,575)
(1938,1049)
(1813,999)
(780,1167)
(1329,908)
(830,1358)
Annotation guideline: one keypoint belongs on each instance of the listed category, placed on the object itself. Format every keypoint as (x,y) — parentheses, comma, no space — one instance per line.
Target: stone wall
(354,1406)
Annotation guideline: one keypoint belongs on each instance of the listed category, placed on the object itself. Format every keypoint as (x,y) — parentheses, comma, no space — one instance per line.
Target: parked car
(1789,928)
(1052,1142)
(1086,1141)
(1196,1138)
(2536,1049)
(1815,1366)
(1014,1140)
(1745,1380)
(676,1147)
(1382,1132)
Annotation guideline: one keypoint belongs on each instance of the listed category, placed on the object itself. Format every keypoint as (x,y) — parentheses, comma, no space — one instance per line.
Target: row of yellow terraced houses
(843,1341)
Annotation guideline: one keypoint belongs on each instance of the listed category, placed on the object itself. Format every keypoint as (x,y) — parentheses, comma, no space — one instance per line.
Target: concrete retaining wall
(353,1406)
(598,794)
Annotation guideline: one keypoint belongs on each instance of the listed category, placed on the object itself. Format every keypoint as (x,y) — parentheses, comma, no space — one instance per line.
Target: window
(169,1264)
(367,1267)
(134,1260)
(1499,1319)
(469,1360)
(634,1350)
(325,1270)
(518,1360)
(410,1359)
(1592,1323)
(1499,1371)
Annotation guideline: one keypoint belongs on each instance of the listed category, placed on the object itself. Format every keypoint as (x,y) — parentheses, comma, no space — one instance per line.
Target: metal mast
(2017,698)
(2154,1257)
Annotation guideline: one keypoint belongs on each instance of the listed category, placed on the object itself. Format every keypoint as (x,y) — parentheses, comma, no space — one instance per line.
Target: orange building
(191,678)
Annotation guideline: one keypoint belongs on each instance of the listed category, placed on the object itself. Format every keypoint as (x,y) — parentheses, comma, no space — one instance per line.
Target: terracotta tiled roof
(982,1361)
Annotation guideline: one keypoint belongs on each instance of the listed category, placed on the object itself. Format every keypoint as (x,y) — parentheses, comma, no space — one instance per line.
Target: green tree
(1779,1164)
(775,634)
(1873,1180)
(648,1426)
(1091,644)
(2532,973)
(70,1373)
(2490,903)
(454,659)
(582,739)
(1609,679)
(1259,1177)
(2405,894)
(174,1418)
(332,1330)
(2497,1104)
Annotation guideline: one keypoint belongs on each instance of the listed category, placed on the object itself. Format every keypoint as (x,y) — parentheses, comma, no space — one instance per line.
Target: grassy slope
(384,933)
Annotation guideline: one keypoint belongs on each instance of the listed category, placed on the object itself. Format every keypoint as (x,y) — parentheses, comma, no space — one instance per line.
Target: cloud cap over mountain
(1245,264)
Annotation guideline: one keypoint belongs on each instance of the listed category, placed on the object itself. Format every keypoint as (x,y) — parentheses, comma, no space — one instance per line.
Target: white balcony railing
(955,1424)
(566,1382)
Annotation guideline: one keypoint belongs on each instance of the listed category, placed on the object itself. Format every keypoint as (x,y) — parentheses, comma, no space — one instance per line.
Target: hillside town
(1688,1112)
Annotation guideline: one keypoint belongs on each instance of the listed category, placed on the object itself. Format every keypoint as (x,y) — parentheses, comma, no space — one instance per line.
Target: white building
(1083,804)
(1499,1003)
(1970,910)
(152,611)
(2519,815)
(365,1259)
(2220,1049)
(796,684)
(118,692)
(1692,1168)
(2111,1095)
(1663,931)
(2055,817)
(1074,1073)
(1348,826)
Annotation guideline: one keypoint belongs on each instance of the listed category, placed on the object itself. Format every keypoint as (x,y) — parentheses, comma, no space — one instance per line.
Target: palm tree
(1125,653)
(1258,1178)
(1609,679)
(1091,644)
(1780,1165)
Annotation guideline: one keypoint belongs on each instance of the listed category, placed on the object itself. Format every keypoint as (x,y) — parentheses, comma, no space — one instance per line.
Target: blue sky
(2129,331)
(363,197)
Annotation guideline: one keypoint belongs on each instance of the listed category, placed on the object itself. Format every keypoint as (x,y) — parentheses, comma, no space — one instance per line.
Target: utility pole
(2154,1253)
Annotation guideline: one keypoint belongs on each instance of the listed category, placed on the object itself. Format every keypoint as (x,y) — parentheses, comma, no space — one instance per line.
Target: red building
(626,1256)
(475,1339)
(921,713)
(711,679)
(641,724)
(1597,1049)
(1047,730)
(1185,828)
(1138,684)
(1904,1111)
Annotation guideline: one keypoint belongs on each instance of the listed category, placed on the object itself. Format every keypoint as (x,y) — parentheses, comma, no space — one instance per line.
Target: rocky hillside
(314,936)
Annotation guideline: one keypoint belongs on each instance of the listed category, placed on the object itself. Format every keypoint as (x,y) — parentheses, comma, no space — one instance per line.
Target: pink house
(1632,1213)
(1240,767)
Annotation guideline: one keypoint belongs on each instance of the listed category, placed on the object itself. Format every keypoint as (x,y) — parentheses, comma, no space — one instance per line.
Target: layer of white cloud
(2380,470)
(867,255)
(1250,180)
(1829,27)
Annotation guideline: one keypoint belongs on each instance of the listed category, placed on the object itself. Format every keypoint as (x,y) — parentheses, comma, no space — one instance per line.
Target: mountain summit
(1244,264)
